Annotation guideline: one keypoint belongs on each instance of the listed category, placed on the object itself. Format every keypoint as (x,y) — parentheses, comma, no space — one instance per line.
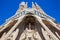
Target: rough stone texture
(30,24)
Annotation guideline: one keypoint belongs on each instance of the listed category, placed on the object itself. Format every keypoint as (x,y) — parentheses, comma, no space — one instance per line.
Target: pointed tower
(30,24)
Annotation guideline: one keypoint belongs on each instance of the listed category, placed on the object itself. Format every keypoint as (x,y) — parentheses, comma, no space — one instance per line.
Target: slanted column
(54,25)
(3,36)
(6,25)
(15,34)
(46,28)
(45,34)
(12,29)
(57,34)
(22,37)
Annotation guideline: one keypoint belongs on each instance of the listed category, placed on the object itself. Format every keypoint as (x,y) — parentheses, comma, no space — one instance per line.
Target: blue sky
(9,7)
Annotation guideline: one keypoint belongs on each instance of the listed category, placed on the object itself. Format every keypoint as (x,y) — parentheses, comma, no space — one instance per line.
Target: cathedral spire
(33,5)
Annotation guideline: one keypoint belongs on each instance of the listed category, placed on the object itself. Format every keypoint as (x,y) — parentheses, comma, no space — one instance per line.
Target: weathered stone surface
(30,24)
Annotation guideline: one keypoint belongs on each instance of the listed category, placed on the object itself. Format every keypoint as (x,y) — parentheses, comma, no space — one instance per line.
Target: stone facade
(30,24)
